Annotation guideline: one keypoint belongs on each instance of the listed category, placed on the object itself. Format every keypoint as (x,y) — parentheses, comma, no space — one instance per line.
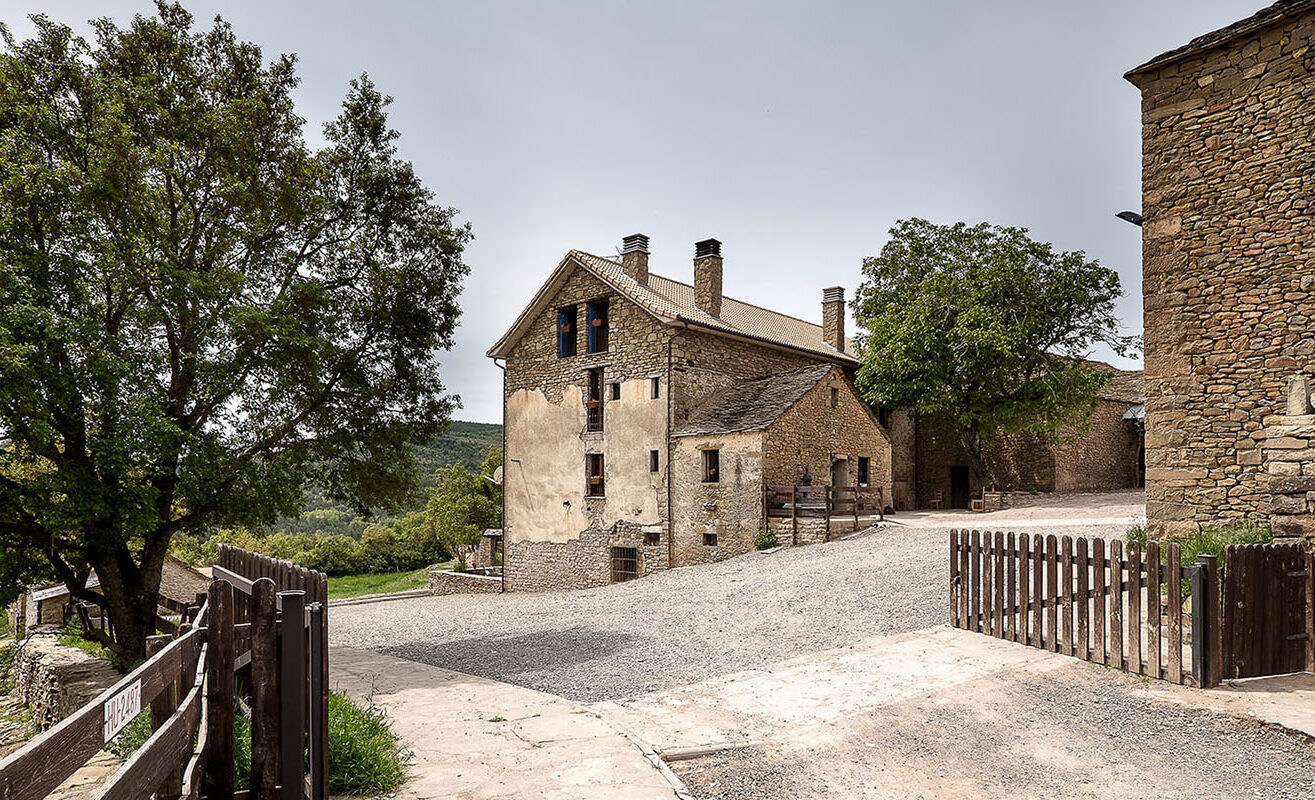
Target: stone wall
(1105,457)
(52,681)
(443,581)
(903,459)
(731,508)
(580,562)
(1288,451)
(1228,285)
(705,363)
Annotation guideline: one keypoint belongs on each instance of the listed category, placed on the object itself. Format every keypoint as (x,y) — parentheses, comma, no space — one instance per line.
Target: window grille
(625,564)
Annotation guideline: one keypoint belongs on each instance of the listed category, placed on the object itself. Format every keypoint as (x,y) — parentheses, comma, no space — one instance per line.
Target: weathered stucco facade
(1228,284)
(592,454)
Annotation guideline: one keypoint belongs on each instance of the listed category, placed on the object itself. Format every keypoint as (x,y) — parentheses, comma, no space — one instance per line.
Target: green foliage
(765,540)
(135,733)
(200,314)
(72,634)
(132,737)
(984,328)
(365,756)
(380,583)
(464,504)
(1209,542)
(1136,535)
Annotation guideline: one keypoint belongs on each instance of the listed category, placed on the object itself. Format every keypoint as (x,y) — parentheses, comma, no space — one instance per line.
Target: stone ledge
(444,581)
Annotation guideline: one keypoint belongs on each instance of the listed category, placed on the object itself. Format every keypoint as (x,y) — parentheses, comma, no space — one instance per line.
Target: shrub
(337,555)
(1210,542)
(765,540)
(1137,535)
(365,756)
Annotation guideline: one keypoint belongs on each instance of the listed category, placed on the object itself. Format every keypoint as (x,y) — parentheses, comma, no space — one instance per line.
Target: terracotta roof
(753,405)
(1261,19)
(672,301)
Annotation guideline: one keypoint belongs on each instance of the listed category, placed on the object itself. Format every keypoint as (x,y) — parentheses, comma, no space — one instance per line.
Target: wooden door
(1266,622)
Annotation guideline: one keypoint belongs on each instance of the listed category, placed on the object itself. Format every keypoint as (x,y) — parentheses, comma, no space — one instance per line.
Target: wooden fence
(823,502)
(1268,620)
(190,686)
(1066,595)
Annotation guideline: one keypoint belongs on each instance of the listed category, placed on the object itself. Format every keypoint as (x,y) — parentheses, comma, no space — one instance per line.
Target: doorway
(839,471)
(960,487)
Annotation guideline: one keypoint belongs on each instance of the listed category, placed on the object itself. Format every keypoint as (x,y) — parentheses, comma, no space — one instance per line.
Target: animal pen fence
(253,642)
(1125,608)
(827,503)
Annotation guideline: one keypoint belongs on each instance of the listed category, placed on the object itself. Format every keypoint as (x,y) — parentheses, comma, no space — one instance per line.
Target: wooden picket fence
(823,502)
(1069,596)
(190,686)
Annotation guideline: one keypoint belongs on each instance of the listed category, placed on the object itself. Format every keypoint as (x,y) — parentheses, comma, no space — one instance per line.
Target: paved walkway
(475,738)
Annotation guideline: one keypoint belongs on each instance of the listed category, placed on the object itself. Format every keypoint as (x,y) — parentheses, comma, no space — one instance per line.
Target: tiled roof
(673,301)
(755,404)
(1261,19)
(1124,386)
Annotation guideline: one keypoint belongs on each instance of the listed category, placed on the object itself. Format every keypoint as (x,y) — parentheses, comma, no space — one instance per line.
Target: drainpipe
(671,521)
(506,473)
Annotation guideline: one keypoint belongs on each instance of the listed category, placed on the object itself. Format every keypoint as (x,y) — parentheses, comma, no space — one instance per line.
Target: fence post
(318,723)
(794,515)
(218,777)
(264,691)
(1205,622)
(292,682)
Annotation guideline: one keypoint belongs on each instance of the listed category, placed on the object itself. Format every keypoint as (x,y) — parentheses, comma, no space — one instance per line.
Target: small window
(835,397)
(597,316)
(711,466)
(616,391)
(710,539)
(625,564)
(593,468)
(594,401)
(566,332)
(653,463)
(657,388)
(883,416)
(862,470)
(652,538)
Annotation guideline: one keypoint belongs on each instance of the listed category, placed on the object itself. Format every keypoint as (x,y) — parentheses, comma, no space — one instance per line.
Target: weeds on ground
(765,540)
(365,756)
(1211,542)
(73,635)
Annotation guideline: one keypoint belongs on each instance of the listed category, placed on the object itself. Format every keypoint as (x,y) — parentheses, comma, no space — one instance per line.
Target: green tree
(199,313)
(464,504)
(984,328)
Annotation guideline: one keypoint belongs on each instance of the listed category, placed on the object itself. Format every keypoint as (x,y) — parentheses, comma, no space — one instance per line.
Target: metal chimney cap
(707,247)
(634,243)
(835,294)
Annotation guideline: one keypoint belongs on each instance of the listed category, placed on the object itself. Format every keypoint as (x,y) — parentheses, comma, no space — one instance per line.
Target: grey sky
(796,133)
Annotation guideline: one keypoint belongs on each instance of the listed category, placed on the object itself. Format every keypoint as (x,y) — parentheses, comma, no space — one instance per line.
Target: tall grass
(1210,542)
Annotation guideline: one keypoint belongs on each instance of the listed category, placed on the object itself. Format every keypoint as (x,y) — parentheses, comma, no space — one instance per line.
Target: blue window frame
(597,320)
(566,332)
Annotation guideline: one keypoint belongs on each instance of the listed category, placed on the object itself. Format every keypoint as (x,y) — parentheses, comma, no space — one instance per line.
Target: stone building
(1107,455)
(1229,290)
(623,452)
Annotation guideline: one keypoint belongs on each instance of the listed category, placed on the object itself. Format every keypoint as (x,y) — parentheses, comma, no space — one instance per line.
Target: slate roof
(673,301)
(753,405)
(1261,19)
(1125,386)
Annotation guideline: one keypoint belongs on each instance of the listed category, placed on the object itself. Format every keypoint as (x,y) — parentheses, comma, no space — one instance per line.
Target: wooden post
(1039,590)
(264,691)
(794,515)
(1022,632)
(1052,591)
(1153,583)
(998,574)
(1083,602)
(1134,610)
(1175,564)
(965,623)
(955,579)
(1213,662)
(1011,587)
(975,584)
(292,694)
(162,707)
(1066,594)
(317,744)
(1116,604)
(1199,637)
(1099,584)
(218,776)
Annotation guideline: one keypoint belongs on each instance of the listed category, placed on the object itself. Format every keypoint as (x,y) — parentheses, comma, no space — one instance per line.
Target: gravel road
(676,627)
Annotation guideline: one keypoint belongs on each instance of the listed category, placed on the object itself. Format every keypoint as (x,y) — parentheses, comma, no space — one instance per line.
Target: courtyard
(827,671)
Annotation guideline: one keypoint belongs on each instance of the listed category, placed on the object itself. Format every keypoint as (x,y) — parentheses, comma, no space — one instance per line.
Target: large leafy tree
(199,313)
(464,504)
(986,329)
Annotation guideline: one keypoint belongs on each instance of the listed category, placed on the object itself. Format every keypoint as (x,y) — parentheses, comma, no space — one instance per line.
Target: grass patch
(1212,542)
(365,756)
(765,540)
(380,583)
(73,635)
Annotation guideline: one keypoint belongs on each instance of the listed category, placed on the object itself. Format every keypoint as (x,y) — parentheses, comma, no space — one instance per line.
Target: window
(616,391)
(883,416)
(835,397)
(862,470)
(657,388)
(593,470)
(653,461)
(710,539)
(594,401)
(625,564)
(566,332)
(652,538)
(711,466)
(597,316)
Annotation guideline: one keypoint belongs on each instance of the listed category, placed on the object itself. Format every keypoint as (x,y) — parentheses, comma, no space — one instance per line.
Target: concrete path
(540,746)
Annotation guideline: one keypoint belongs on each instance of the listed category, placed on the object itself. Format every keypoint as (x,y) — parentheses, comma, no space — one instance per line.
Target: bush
(765,540)
(1212,542)
(365,756)
(337,555)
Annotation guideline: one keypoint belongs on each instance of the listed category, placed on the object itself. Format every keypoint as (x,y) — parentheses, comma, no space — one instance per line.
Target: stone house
(1229,290)
(51,604)
(1107,455)
(642,416)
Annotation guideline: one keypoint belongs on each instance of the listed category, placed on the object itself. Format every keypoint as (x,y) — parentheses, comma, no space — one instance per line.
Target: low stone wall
(52,680)
(443,581)
(806,530)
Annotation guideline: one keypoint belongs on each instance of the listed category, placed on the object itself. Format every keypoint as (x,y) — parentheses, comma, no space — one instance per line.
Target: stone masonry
(1229,288)
(1288,450)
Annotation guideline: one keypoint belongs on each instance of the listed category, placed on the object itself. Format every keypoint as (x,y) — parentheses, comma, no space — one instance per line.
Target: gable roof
(1261,19)
(753,405)
(672,302)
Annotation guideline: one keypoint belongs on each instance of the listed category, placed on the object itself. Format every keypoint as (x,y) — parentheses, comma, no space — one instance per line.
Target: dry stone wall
(1229,289)
(1288,451)
(52,680)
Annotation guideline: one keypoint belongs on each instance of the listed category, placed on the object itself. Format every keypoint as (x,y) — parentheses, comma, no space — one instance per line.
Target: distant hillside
(463,443)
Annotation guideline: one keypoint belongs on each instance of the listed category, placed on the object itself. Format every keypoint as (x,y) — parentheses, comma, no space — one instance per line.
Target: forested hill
(463,443)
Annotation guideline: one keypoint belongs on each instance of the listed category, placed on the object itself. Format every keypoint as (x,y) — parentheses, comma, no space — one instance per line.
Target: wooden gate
(1268,620)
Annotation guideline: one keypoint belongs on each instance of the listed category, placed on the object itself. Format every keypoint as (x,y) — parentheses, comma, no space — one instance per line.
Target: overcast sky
(796,133)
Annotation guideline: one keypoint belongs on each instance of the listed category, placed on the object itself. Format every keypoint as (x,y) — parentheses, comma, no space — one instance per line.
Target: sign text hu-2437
(121,708)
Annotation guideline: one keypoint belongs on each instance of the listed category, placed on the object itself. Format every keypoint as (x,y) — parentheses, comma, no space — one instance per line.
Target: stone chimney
(634,257)
(833,317)
(707,276)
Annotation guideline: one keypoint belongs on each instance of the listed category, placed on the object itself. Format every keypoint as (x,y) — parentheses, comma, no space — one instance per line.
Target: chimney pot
(634,257)
(833,317)
(707,276)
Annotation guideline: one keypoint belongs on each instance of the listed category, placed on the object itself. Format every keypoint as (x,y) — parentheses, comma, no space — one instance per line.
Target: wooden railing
(1066,596)
(827,503)
(189,686)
